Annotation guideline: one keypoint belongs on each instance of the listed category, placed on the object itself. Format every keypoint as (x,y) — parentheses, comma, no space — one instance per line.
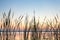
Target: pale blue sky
(21,7)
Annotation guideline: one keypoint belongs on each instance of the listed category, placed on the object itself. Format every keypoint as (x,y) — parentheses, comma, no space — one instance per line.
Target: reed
(34,29)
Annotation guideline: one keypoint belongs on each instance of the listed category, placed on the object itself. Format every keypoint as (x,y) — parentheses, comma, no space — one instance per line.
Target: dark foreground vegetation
(33,30)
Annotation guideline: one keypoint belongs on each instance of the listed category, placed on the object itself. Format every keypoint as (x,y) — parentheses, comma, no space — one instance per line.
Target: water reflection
(20,36)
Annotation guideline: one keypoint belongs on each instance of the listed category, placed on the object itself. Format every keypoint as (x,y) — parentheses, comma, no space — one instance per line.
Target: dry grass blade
(4,15)
(9,13)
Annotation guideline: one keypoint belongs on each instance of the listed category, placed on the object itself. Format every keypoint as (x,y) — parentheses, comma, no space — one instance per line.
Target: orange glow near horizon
(42,20)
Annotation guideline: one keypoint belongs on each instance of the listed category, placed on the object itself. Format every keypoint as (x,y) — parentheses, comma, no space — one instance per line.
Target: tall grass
(34,34)
(26,25)
(35,30)
(6,24)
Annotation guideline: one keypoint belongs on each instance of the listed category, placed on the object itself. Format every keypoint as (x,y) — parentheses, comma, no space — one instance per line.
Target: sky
(23,7)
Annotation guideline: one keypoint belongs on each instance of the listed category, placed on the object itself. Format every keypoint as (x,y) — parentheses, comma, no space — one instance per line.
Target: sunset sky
(21,7)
